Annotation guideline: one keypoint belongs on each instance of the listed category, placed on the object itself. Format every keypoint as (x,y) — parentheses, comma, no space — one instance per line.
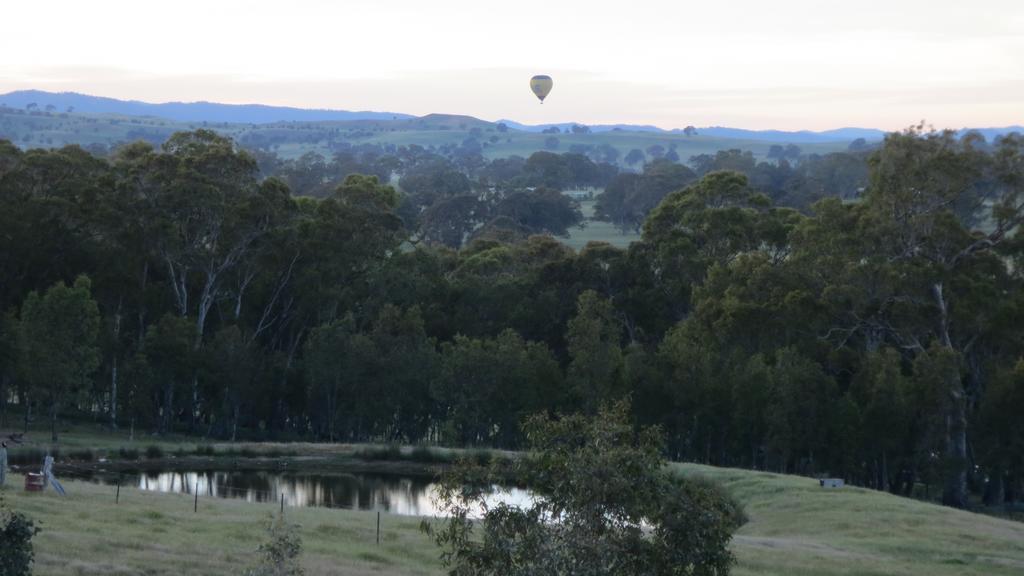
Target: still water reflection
(409,496)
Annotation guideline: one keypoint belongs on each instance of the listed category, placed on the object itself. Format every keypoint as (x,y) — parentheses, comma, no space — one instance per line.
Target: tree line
(877,338)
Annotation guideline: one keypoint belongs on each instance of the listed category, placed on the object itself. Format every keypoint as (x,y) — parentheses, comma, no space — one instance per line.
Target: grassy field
(798,528)
(152,533)
(597,231)
(795,528)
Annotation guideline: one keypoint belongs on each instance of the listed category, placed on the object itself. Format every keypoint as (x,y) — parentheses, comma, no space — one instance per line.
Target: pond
(403,495)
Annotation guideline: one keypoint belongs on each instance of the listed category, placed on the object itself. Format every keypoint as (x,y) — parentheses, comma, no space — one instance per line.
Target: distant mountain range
(802,136)
(187,111)
(263,114)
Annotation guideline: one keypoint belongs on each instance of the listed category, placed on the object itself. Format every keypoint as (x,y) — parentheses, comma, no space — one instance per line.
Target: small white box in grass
(831,482)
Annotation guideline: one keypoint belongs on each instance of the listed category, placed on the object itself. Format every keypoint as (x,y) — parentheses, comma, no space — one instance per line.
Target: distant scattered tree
(451,220)
(551,143)
(606,153)
(543,211)
(790,152)
(858,145)
(734,159)
(690,131)
(656,151)
(580,129)
(634,157)
(629,198)
(502,127)
(547,169)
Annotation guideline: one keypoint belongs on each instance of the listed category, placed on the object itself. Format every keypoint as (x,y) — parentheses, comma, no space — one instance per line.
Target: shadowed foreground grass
(795,528)
(154,533)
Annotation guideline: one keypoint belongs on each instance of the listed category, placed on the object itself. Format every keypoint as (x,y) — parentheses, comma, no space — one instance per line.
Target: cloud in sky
(787,64)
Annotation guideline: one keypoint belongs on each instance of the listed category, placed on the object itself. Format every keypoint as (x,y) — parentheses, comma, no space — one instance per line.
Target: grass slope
(798,528)
(795,528)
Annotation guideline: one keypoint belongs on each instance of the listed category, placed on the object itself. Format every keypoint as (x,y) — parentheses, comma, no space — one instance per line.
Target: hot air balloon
(541,86)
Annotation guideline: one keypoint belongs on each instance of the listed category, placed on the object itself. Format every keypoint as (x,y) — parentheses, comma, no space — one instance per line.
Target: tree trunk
(883,474)
(955,491)
(3,401)
(113,369)
(995,494)
(194,406)
(168,408)
(53,420)
(141,316)
(113,394)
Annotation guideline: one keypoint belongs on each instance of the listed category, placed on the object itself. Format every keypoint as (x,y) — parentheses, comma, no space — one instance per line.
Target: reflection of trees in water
(401,495)
(395,494)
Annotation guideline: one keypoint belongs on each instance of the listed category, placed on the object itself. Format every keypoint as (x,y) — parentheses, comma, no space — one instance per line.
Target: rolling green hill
(795,528)
(291,139)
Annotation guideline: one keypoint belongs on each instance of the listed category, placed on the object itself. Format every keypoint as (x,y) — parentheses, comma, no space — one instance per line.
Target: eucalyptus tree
(47,197)
(904,269)
(58,341)
(170,360)
(488,386)
(205,214)
(712,221)
(629,198)
(333,373)
(594,341)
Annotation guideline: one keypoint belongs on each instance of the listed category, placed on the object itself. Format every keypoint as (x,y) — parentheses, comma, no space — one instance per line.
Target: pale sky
(786,64)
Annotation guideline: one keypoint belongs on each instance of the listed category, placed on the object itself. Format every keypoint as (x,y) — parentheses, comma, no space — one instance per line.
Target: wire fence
(194,484)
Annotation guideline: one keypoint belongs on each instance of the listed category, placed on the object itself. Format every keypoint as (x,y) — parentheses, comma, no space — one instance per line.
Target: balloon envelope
(541,86)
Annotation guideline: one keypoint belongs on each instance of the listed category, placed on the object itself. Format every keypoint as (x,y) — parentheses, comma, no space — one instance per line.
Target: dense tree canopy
(856,314)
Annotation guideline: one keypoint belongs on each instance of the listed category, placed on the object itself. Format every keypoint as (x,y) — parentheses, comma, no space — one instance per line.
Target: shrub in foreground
(605,504)
(16,532)
(279,554)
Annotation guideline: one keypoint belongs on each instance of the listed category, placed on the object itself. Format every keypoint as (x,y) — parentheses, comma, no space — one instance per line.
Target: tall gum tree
(904,267)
